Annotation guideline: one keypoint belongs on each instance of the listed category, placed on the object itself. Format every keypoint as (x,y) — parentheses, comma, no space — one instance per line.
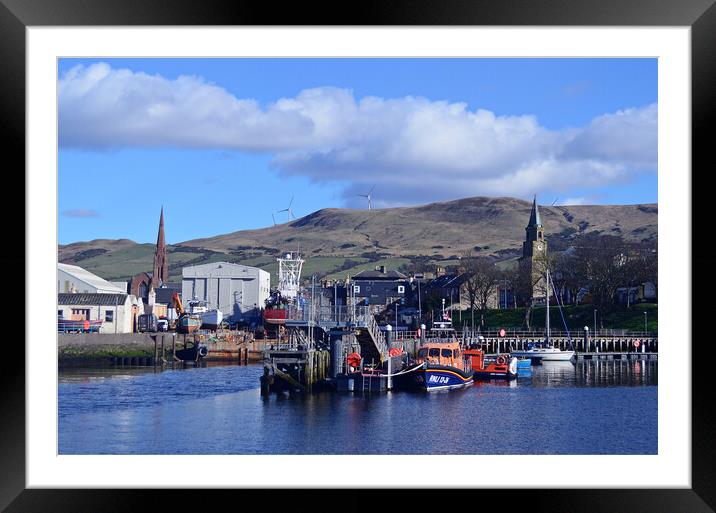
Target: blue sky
(224,143)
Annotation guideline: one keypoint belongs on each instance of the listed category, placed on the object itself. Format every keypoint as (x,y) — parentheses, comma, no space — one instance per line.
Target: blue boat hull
(441,377)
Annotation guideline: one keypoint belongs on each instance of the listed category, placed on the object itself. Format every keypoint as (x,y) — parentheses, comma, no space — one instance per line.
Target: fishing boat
(546,351)
(276,309)
(210,318)
(186,322)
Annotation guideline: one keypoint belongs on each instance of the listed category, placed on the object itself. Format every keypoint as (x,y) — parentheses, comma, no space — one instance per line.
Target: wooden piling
(162,350)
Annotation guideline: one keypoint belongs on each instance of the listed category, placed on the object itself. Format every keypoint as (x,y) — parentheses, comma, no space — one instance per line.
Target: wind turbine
(555,201)
(274,219)
(367,196)
(289,212)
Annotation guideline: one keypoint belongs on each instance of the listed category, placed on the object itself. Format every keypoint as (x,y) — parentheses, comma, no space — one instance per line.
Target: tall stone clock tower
(534,252)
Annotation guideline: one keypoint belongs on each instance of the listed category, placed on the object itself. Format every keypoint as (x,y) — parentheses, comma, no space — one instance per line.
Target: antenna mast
(289,275)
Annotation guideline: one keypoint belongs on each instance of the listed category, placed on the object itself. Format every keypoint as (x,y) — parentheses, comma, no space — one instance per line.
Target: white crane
(367,196)
(289,212)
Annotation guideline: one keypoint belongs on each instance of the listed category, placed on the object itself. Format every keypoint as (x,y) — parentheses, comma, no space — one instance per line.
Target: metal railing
(468,334)
(377,335)
(294,340)
(327,314)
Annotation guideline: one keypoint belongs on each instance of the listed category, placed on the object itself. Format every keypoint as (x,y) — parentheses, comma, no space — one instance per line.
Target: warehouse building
(239,291)
(71,278)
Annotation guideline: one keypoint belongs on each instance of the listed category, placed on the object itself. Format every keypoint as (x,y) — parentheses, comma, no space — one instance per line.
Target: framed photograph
(412,249)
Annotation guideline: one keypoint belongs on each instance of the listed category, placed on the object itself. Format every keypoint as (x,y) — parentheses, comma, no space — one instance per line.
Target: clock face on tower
(539,247)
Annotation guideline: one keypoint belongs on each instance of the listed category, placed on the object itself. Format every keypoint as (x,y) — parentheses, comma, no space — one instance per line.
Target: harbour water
(591,407)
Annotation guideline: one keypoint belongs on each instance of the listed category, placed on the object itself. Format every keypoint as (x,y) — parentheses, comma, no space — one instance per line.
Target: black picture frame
(700,15)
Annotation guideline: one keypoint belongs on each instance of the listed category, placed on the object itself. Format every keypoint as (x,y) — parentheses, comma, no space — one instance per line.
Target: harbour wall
(101,349)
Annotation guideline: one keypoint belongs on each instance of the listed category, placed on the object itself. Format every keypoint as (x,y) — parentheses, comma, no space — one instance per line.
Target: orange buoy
(353,360)
(86,324)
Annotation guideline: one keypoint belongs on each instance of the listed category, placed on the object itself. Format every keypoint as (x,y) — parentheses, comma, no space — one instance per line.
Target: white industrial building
(239,291)
(74,279)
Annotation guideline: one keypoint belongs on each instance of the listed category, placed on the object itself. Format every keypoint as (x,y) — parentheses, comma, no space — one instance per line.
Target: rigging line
(559,305)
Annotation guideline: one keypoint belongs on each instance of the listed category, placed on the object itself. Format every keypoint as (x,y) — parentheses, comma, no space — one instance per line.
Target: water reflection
(616,373)
(555,411)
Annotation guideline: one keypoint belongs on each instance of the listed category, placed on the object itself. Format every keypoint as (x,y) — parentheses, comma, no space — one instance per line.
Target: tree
(602,261)
(567,277)
(481,283)
(520,276)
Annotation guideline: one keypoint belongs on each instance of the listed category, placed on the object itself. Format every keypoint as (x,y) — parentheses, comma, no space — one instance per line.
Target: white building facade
(117,312)
(239,291)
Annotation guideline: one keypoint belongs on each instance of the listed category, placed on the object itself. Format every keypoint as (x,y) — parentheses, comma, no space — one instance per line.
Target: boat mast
(547,310)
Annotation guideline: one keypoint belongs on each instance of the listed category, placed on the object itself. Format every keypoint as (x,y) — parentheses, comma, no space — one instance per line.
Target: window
(80,314)
(434,351)
(59,313)
(356,289)
(109,316)
(401,289)
(422,353)
(446,353)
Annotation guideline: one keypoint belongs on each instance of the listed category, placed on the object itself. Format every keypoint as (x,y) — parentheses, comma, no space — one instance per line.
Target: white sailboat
(546,351)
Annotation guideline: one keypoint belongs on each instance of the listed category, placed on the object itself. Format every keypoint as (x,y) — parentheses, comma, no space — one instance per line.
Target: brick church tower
(534,252)
(161,266)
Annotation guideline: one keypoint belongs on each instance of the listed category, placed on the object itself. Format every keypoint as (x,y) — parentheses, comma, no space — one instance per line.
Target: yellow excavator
(177,304)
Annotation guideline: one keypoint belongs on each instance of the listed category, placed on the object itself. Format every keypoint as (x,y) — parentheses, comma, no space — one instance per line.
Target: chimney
(439,271)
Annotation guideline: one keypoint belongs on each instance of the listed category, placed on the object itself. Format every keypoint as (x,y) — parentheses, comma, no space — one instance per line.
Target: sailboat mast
(547,310)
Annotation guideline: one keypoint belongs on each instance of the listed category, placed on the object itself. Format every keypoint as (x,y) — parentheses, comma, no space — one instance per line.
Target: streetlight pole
(420,310)
(505,291)
(595,322)
(645,330)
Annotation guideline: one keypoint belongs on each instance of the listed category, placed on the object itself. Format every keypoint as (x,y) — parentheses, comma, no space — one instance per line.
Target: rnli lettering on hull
(436,380)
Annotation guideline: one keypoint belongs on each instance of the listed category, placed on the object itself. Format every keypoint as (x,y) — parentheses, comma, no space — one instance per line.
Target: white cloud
(415,149)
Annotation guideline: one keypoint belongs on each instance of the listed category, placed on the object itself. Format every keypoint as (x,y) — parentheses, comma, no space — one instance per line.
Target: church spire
(160,235)
(535,220)
(161,267)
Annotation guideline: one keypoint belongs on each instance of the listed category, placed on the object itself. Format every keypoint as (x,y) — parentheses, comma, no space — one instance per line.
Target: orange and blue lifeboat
(441,366)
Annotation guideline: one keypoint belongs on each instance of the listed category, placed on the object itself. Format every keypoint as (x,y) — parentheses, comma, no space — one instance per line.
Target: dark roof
(91,299)
(164,295)
(448,280)
(378,275)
